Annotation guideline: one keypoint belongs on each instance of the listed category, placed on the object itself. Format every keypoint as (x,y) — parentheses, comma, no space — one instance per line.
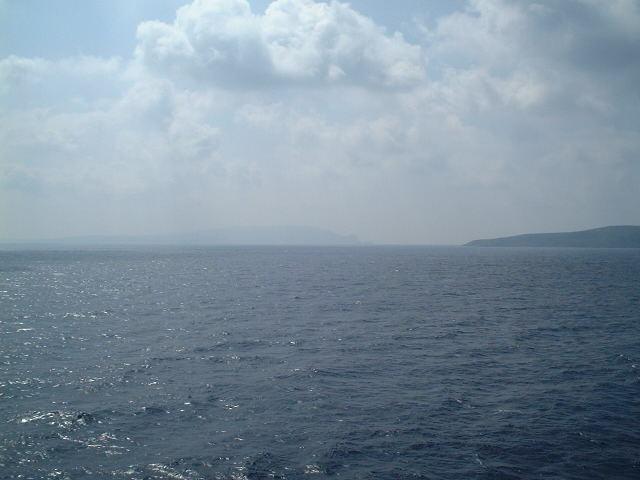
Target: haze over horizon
(414,122)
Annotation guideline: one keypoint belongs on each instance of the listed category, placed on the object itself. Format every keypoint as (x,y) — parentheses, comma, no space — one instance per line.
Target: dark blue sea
(309,363)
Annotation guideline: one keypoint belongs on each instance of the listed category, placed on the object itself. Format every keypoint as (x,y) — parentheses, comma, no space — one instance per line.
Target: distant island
(269,235)
(622,236)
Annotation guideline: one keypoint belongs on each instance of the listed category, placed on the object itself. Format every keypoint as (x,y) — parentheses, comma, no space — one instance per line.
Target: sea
(363,362)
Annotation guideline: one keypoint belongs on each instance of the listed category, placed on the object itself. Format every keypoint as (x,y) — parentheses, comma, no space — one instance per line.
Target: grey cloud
(595,37)
(573,55)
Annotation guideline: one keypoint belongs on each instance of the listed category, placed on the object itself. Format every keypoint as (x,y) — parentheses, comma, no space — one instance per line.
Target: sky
(418,122)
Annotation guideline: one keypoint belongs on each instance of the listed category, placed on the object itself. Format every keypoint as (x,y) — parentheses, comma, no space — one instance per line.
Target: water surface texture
(290,363)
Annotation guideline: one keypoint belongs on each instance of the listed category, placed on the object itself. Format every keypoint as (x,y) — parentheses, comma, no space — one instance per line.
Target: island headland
(620,236)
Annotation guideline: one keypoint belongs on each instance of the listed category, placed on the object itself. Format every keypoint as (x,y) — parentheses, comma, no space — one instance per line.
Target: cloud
(15,70)
(131,144)
(507,115)
(578,51)
(69,82)
(293,42)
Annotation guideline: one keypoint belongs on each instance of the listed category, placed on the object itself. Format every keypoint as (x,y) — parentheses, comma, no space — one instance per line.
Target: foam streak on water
(362,362)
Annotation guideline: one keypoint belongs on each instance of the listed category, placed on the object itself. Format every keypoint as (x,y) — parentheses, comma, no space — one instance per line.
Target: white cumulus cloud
(221,42)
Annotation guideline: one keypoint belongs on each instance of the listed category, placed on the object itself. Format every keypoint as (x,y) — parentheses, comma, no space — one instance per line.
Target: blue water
(290,363)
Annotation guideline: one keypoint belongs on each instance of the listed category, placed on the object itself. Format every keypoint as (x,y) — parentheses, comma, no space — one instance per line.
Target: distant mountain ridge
(272,235)
(620,236)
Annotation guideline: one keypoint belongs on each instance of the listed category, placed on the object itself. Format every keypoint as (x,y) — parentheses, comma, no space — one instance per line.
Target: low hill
(623,236)
(268,235)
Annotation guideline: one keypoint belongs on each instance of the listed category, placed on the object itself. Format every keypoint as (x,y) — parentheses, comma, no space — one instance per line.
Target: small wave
(151,410)
(61,419)
(170,473)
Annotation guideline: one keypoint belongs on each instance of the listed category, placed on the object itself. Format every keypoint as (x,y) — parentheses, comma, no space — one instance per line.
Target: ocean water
(292,363)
